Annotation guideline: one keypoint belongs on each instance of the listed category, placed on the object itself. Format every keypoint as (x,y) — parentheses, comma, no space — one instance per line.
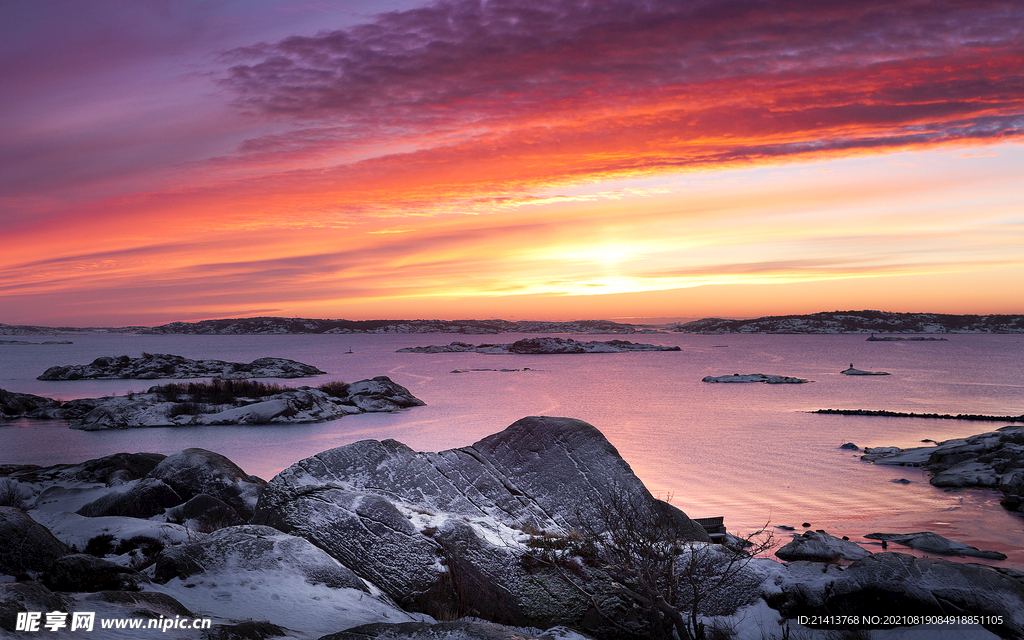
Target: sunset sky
(523,159)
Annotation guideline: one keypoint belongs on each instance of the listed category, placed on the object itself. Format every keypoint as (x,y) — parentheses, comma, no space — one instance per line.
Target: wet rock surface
(934,543)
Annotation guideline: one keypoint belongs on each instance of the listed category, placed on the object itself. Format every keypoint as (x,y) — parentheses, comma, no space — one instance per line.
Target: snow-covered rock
(164,407)
(25,544)
(254,548)
(755,377)
(143,499)
(818,546)
(897,584)
(934,543)
(165,365)
(26,405)
(192,472)
(394,515)
(457,630)
(79,572)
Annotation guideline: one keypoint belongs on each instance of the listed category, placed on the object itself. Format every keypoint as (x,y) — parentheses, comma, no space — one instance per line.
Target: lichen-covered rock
(25,544)
(384,509)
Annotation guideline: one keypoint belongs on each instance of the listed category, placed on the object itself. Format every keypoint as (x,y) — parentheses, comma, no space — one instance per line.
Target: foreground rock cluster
(152,366)
(375,540)
(219,402)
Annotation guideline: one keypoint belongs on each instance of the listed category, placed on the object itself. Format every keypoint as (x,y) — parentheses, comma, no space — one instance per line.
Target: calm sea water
(750,452)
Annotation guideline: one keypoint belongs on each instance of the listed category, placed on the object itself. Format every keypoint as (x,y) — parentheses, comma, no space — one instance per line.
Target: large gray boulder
(897,584)
(393,515)
(254,548)
(25,544)
(196,471)
(80,572)
(19,597)
(144,499)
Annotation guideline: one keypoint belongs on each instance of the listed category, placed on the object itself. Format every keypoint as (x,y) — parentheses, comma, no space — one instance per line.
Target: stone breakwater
(903,414)
(152,366)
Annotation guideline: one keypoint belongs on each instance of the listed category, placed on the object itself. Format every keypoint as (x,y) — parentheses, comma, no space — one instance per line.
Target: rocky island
(766,378)
(993,460)
(152,366)
(541,346)
(375,540)
(218,402)
(860,372)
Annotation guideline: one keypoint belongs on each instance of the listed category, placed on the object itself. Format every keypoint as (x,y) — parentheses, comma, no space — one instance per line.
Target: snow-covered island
(152,366)
(766,378)
(545,345)
(375,540)
(218,402)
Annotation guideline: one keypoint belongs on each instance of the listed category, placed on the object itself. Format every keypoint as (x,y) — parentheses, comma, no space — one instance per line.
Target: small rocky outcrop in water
(766,378)
(162,365)
(993,460)
(818,546)
(934,543)
(237,402)
(542,346)
(26,405)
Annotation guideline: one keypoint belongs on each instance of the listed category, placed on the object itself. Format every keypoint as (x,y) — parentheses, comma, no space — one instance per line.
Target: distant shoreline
(830,322)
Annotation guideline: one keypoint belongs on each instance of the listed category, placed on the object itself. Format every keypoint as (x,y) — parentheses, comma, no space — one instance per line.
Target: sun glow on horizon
(522,156)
